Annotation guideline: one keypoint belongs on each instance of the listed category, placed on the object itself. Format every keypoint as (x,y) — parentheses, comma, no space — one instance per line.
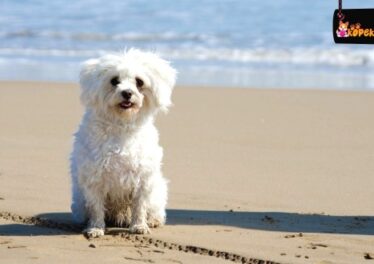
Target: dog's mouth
(125,105)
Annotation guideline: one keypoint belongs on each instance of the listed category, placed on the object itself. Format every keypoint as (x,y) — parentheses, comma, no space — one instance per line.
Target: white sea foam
(297,56)
(97,36)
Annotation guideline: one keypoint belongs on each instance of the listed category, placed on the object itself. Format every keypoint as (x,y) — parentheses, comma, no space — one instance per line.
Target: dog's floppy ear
(162,74)
(88,81)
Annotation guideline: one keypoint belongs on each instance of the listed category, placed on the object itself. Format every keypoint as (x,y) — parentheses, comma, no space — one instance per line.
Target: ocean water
(245,43)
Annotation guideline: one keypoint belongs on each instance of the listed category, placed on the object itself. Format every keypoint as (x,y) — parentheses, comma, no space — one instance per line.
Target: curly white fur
(116,159)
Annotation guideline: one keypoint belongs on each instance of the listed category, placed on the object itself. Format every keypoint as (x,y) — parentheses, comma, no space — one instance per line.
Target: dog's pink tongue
(126,104)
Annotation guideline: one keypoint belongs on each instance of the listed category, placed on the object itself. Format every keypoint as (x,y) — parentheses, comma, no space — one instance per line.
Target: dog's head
(127,85)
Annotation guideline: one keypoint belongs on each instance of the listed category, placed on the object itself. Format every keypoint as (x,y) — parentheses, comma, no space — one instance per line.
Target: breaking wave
(296,56)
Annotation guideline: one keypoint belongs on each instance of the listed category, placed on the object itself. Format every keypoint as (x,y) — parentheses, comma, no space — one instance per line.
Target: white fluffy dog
(116,160)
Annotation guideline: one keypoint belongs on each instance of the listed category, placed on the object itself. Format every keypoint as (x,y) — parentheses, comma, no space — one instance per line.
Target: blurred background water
(246,43)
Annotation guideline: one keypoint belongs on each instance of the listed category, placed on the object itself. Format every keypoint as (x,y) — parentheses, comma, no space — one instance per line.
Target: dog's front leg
(96,212)
(139,212)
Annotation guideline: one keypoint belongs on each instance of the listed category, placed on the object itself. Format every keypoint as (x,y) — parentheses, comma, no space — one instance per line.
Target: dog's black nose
(126,94)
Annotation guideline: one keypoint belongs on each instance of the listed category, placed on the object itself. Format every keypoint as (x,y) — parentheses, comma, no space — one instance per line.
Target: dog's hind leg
(118,212)
(123,217)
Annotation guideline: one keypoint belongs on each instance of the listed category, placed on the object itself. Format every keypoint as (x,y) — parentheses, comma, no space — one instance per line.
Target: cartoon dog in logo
(342,31)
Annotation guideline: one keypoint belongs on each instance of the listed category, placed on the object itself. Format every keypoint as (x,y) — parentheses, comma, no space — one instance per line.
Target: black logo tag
(356,26)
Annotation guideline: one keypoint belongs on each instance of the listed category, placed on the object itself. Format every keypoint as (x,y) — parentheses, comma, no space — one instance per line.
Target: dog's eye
(115,81)
(139,82)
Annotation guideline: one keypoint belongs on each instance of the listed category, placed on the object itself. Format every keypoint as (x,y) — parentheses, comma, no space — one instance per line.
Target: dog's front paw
(93,232)
(139,229)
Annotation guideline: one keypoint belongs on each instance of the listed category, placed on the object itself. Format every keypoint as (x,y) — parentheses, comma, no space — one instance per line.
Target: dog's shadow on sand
(269,221)
(275,221)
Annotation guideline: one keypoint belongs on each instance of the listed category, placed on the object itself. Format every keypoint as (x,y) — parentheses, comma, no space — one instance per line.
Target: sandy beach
(284,176)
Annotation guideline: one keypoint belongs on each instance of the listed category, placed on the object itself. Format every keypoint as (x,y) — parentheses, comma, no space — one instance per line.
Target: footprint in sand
(269,220)
(293,236)
(140,260)
(316,245)
(5,242)
(174,261)
(16,246)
